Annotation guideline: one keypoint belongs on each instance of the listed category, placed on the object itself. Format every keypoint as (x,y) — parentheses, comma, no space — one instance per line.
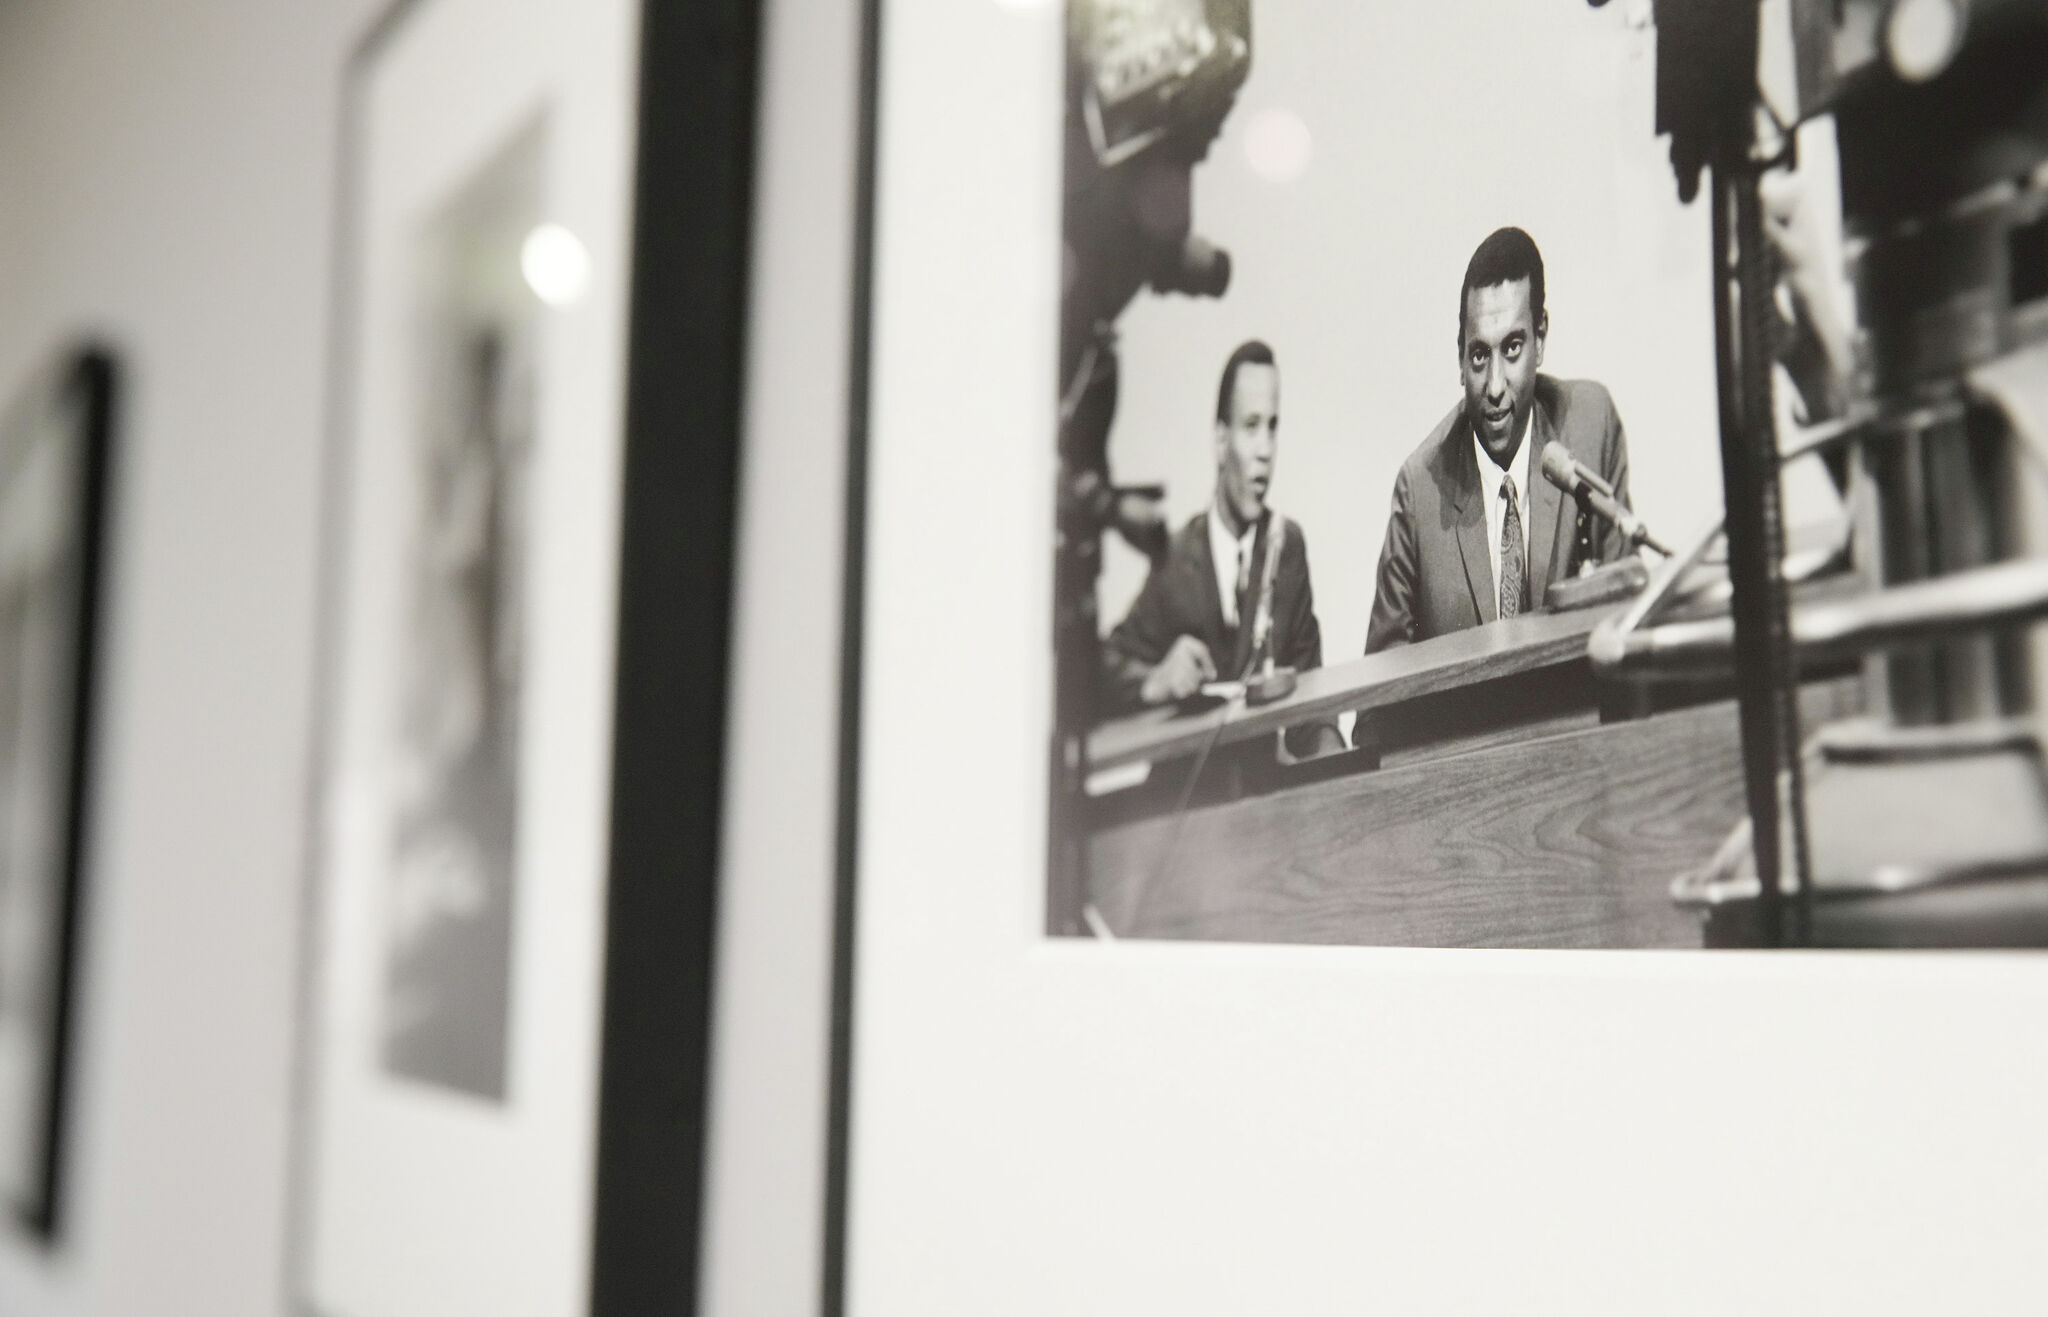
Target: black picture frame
(692,217)
(852,630)
(69,404)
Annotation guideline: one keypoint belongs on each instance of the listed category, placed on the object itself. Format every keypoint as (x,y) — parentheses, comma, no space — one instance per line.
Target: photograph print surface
(455,743)
(1401,376)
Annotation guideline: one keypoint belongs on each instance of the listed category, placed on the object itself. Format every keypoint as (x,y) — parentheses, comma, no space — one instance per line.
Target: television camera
(1923,820)
(1149,83)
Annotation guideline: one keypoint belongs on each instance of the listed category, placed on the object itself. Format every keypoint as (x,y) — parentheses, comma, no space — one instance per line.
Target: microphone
(1560,468)
(1197,267)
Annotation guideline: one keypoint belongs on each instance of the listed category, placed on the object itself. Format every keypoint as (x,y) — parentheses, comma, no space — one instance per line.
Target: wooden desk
(1529,643)
(1518,801)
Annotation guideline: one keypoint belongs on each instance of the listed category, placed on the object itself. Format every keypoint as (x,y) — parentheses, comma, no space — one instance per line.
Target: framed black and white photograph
(54,440)
(1369,527)
(462,817)
(1465,719)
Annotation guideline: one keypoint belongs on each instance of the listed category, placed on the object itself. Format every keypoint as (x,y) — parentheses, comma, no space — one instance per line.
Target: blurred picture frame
(55,440)
(516,777)
(456,926)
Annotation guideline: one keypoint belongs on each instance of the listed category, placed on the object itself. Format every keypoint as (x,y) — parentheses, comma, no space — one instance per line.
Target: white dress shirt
(1232,556)
(1490,474)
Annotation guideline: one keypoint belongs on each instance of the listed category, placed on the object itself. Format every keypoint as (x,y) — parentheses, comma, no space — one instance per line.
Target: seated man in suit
(1231,599)
(1477,533)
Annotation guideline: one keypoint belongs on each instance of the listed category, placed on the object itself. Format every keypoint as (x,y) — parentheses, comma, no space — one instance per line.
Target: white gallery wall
(167,174)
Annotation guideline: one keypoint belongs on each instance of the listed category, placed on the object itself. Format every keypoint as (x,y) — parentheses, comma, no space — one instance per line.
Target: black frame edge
(692,231)
(852,639)
(89,374)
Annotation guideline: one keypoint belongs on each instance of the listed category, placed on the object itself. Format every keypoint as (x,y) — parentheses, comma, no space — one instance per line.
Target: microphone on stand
(1560,468)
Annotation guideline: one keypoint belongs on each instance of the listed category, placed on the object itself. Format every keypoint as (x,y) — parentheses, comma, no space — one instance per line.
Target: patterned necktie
(1512,568)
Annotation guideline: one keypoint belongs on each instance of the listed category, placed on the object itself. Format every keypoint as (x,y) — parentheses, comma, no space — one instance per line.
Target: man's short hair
(1507,254)
(1251,352)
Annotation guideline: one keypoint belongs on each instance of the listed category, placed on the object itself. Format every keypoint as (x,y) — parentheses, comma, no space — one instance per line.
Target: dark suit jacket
(1434,575)
(1179,599)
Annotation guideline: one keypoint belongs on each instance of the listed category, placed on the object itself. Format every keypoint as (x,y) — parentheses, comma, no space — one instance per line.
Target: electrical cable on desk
(1180,809)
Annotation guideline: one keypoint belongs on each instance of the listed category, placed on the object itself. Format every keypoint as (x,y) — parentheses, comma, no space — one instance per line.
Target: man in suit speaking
(1231,599)
(1477,533)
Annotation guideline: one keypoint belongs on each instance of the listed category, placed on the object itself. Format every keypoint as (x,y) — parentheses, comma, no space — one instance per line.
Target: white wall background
(1430,125)
(166,179)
